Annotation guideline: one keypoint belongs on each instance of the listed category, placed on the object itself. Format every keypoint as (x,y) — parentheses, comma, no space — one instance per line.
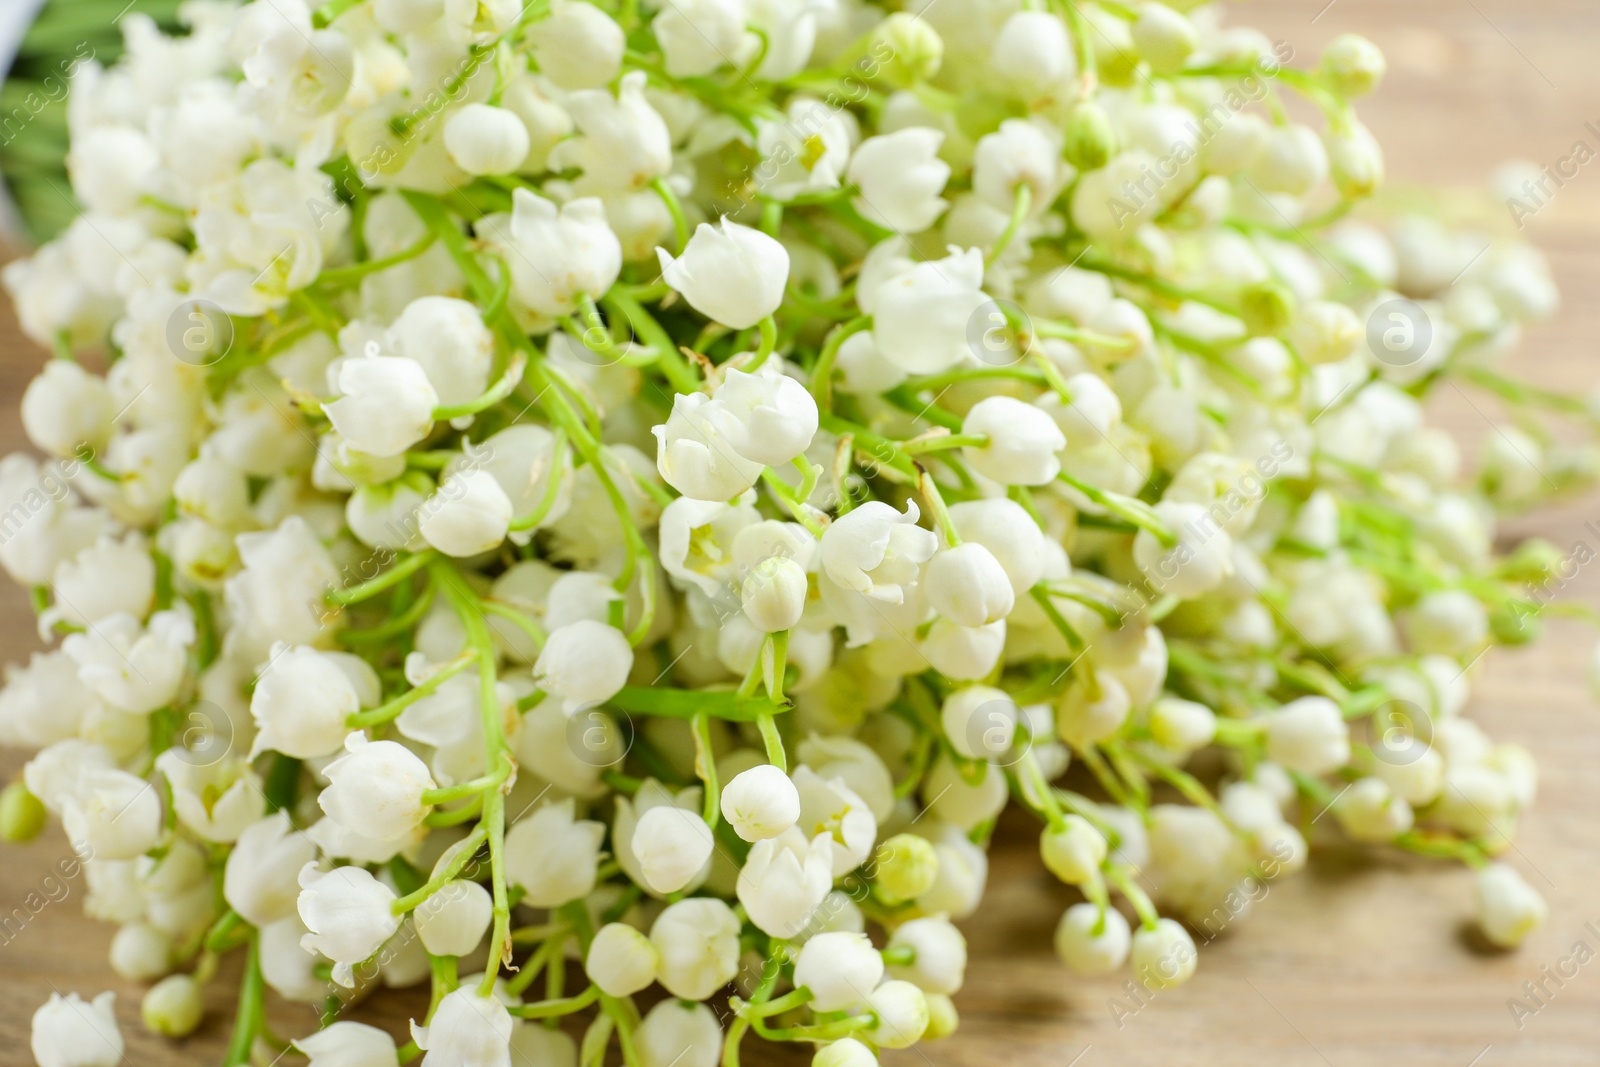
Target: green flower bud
(1353,65)
(1515,625)
(1267,309)
(906,868)
(1533,561)
(1091,140)
(1356,161)
(22,816)
(942,1017)
(1164,37)
(907,49)
(173,1006)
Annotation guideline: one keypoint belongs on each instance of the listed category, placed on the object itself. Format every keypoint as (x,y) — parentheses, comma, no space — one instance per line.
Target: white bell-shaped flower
(698,942)
(116,815)
(1163,956)
(134,669)
(672,846)
(583,664)
(453,921)
(559,254)
(1508,908)
(922,318)
(967,585)
(466,1030)
(70,1032)
(1091,941)
(483,139)
(447,338)
(622,142)
(348,1044)
(375,789)
(902,1012)
(1023,442)
(695,451)
(784,880)
(577,45)
(876,550)
(761,802)
(347,912)
(553,856)
(1308,735)
(385,404)
(729,273)
(899,176)
(108,577)
(469,514)
(259,880)
(773,594)
(804,152)
(1074,852)
(621,960)
(777,414)
(1200,561)
(1020,153)
(675,1034)
(840,969)
(698,36)
(1032,55)
(827,804)
(938,954)
(66,408)
(301,702)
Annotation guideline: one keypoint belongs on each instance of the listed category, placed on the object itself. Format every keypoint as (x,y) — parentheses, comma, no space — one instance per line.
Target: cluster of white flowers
(1027,418)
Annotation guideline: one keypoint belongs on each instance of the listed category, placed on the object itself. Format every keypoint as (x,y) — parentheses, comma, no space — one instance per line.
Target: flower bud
(760,803)
(1197,564)
(1163,956)
(66,408)
(1023,442)
(1091,138)
(915,49)
(846,1052)
(902,1012)
(22,816)
(698,942)
(140,952)
(559,254)
(583,663)
(1075,851)
(1353,65)
(1355,160)
(1267,308)
(577,45)
(1450,622)
(173,1006)
(1370,812)
(672,845)
(938,954)
(1181,726)
(979,722)
(907,866)
(1325,332)
(621,960)
(1164,37)
(486,140)
(453,921)
(1508,908)
(1308,735)
(1090,941)
(1294,161)
(773,594)
(468,514)
(967,585)
(943,1019)
(676,1034)
(839,968)
(1032,55)
(385,405)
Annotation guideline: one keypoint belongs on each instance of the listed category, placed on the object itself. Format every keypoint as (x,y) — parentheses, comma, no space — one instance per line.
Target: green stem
(822,369)
(366,590)
(467,850)
(252,1008)
(680,222)
(1019,215)
(497,392)
(390,710)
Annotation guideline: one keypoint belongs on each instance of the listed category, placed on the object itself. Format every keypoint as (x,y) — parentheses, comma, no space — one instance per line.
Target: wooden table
(1365,959)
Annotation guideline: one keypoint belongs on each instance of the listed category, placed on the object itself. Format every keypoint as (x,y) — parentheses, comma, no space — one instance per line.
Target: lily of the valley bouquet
(580,506)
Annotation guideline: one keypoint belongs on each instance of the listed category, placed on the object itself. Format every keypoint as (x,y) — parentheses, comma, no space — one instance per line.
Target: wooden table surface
(1364,959)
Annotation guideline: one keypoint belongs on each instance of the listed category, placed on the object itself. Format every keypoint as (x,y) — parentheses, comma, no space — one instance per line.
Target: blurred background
(1365,958)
